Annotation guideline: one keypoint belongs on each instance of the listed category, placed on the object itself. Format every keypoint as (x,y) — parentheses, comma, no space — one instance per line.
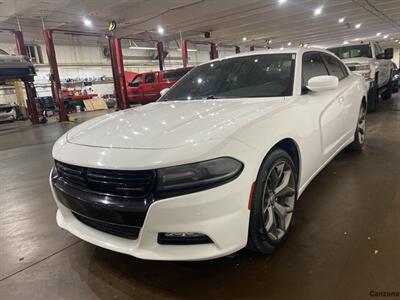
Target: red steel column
(29,86)
(54,75)
(117,63)
(160,51)
(213,51)
(252,48)
(113,67)
(237,49)
(184,53)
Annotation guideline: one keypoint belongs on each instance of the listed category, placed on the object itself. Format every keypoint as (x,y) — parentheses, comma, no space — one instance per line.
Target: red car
(146,87)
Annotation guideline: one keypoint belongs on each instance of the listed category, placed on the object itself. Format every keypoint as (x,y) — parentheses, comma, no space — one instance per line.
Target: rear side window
(150,78)
(313,65)
(3,52)
(168,75)
(334,66)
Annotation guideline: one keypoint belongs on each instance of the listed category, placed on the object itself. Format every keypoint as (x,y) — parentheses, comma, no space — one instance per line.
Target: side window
(150,78)
(333,66)
(313,65)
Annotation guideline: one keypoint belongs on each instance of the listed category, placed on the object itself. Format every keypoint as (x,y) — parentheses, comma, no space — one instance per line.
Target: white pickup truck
(374,64)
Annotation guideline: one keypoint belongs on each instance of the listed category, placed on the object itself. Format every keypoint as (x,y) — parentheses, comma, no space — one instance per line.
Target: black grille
(352,68)
(137,184)
(127,232)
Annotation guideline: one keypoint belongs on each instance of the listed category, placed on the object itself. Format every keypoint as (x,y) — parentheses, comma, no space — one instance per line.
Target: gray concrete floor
(344,244)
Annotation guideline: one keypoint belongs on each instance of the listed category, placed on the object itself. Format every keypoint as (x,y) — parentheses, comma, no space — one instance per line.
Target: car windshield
(266,75)
(352,51)
(2,52)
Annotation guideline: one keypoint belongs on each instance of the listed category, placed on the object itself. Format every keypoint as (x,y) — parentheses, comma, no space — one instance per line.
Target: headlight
(363,67)
(365,70)
(184,179)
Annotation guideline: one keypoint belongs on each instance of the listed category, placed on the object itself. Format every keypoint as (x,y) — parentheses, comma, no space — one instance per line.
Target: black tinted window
(268,75)
(3,52)
(150,78)
(352,51)
(334,66)
(174,74)
(313,65)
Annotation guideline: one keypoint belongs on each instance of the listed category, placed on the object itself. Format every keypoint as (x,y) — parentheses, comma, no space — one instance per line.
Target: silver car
(15,67)
(7,112)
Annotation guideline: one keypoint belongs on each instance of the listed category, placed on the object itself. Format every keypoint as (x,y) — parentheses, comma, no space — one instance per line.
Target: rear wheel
(359,135)
(272,207)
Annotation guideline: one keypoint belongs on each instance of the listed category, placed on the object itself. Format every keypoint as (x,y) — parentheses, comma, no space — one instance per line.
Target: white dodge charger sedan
(216,164)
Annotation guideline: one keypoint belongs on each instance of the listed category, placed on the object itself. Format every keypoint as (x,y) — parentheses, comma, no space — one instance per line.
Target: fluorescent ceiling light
(357,25)
(282,1)
(160,30)
(87,22)
(141,48)
(318,11)
(378,34)
(341,20)
(188,50)
(385,36)
(244,39)
(289,44)
(345,43)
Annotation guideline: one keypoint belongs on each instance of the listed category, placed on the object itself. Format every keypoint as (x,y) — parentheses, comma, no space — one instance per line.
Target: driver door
(326,108)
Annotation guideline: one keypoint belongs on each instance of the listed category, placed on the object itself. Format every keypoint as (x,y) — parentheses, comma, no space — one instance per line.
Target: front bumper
(220,213)
(8,116)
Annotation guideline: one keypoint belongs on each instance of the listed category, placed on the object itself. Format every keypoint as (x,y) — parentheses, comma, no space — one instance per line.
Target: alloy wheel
(361,125)
(278,200)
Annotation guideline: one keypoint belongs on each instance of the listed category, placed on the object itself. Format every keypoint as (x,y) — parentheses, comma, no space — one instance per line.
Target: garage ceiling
(228,20)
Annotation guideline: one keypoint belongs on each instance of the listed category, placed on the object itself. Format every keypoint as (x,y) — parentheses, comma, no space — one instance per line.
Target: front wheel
(273,200)
(359,135)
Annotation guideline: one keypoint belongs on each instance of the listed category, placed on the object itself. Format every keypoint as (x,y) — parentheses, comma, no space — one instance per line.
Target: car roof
(294,50)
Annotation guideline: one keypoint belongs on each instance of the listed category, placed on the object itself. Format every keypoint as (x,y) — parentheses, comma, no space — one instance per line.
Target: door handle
(341,99)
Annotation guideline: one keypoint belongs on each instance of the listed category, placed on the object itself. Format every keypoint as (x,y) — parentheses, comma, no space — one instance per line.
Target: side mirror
(323,83)
(164,91)
(388,53)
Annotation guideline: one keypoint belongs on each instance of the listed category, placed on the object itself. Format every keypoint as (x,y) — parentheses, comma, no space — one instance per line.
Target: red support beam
(252,48)
(54,75)
(160,53)
(113,67)
(29,86)
(237,49)
(213,51)
(184,53)
(117,65)
(121,73)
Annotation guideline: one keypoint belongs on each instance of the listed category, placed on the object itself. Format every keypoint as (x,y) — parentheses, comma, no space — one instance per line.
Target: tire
(359,135)
(373,98)
(387,94)
(272,205)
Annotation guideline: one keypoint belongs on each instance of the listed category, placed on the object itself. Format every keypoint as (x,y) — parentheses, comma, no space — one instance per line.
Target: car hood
(171,124)
(357,60)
